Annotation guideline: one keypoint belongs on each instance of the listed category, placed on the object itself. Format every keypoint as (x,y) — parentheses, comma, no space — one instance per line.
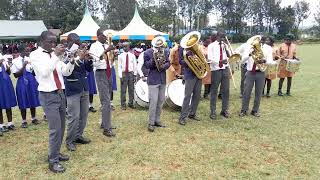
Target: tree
(301,9)
(317,20)
(286,21)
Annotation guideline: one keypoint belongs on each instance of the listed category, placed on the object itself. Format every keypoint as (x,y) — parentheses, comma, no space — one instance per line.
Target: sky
(306,23)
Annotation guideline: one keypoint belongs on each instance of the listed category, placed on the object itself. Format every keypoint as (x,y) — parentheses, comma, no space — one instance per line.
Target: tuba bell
(195,60)
(257,54)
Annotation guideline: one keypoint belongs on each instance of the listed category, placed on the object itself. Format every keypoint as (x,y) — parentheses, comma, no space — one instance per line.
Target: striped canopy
(137,29)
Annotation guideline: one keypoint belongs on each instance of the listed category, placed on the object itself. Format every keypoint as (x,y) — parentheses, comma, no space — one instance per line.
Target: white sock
(10,123)
(90,105)
(1,126)
(33,118)
(23,121)
(111,103)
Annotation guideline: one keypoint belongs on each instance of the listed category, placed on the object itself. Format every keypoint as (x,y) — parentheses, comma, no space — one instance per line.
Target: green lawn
(282,144)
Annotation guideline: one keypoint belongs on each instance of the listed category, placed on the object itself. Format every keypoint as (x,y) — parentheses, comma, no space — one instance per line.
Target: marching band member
(127,70)
(276,56)
(77,93)
(103,78)
(217,56)
(92,90)
(49,70)
(174,70)
(288,50)
(192,89)
(26,87)
(141,70)
(255,76)
(206,81)
(156,80)
(241,51)
(7,96)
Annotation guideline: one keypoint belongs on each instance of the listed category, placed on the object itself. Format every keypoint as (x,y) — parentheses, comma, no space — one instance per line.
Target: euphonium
(159,58)
(258,55)
(110,54)
(195,60)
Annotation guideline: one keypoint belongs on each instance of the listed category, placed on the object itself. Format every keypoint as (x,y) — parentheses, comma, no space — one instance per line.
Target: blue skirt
(27,91)
(7,95)
(92,83)
(114,79)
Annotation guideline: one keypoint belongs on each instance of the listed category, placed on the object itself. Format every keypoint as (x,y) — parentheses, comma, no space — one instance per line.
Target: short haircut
(44,35)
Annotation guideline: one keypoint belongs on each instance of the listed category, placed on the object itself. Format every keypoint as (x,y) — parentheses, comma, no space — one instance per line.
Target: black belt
(101,70)
(256,71)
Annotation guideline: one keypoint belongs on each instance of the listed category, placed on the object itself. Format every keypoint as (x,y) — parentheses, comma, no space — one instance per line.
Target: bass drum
(141,93)
(175,94)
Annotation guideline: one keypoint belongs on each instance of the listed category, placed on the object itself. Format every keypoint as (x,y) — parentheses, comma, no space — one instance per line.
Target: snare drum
(175,94)
(293,65)
(271,69)
(141,93)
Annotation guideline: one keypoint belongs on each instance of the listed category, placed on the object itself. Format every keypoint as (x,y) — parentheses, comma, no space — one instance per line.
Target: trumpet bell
(234,58)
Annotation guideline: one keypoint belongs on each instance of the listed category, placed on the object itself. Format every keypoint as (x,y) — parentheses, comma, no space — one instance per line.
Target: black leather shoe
(44,118)
(280,93)
(63,157)
(82,140)
(11,127)
(268,95)
(91,109)
(131,106)
(35,122)
(71,147)
(213,116)
(159,124)
(108,133)
(123,108)
(194,117)
(56,168)
(112,107)
(225,114)
(24,125)
(242,113)
(5,129)
(255,114)
(182,122)
(151,128)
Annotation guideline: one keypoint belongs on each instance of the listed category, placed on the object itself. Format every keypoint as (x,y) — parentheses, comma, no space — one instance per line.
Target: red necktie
(253,70)
(221,57)
(127,63)
(108,68)
(56,79)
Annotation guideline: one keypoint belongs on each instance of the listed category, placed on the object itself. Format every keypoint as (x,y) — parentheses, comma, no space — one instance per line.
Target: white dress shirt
(122,63)
(214,55)
(140,64)
(267,52)
(97,49)
(44,65)
(241,50)
(17,64)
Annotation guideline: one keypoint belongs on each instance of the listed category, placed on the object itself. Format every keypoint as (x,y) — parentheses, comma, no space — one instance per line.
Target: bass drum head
(175,94)
(141,93)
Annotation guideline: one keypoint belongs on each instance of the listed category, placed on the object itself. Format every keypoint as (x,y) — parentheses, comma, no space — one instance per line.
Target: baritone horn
(193,55)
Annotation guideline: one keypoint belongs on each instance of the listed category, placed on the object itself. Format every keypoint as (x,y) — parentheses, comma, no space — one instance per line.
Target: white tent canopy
(137,29)
(21,29)
(87,29)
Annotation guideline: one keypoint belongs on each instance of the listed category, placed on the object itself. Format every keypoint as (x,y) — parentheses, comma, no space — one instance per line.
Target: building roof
(18,29)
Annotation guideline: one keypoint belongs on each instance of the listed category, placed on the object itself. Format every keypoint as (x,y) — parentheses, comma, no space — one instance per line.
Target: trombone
(233,58)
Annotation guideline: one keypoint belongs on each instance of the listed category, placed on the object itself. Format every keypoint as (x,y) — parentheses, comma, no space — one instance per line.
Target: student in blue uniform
(114,85)
(7,96)
(27,86)
(92,90)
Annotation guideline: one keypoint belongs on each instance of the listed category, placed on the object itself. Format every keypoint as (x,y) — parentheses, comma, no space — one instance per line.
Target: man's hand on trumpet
(59,50)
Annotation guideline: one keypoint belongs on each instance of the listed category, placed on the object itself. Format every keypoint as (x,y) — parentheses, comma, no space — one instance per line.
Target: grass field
(282,144)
